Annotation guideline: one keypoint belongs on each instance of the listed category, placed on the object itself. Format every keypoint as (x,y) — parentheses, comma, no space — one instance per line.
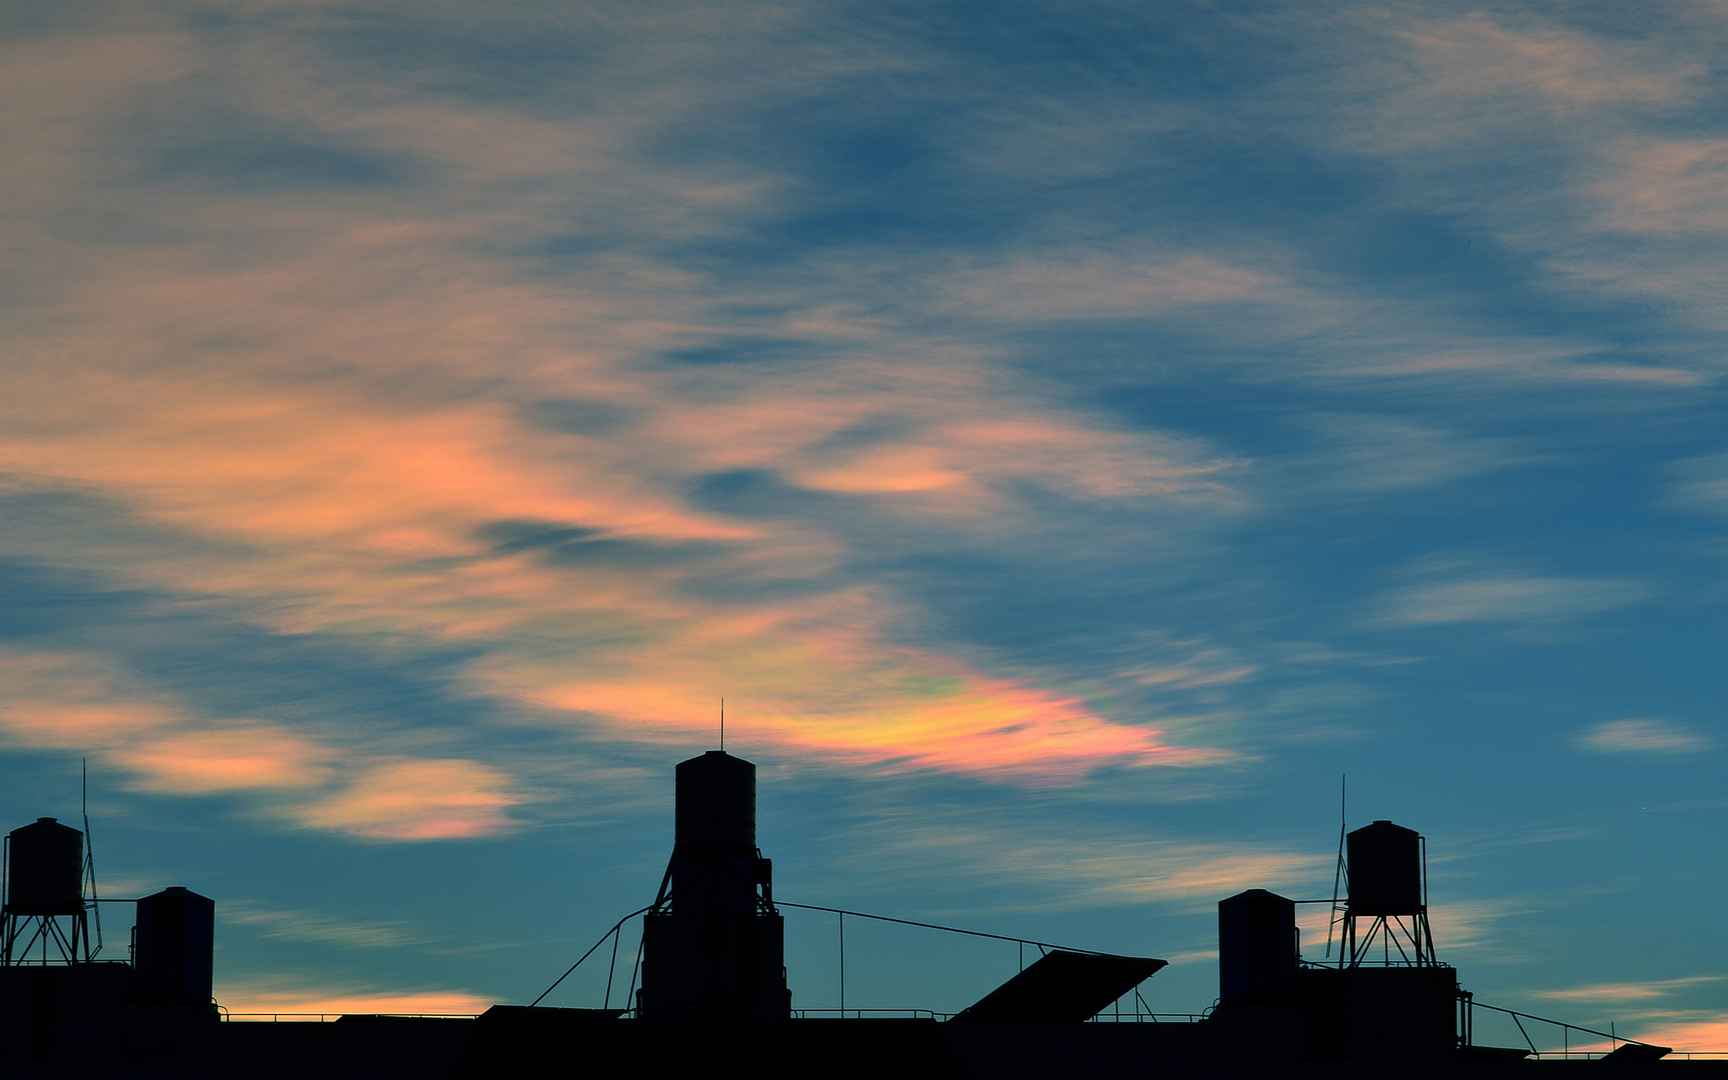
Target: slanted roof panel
(1060,988)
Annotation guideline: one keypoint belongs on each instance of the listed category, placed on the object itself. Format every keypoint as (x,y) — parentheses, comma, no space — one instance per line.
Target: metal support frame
(72,947)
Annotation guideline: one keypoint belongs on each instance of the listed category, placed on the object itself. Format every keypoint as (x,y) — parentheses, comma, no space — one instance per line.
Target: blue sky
(1069,437)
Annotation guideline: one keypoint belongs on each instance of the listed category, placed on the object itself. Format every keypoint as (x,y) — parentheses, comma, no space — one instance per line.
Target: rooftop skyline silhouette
(710,961)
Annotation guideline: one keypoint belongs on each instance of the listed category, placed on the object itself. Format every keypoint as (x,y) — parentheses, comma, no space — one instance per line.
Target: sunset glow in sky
(1068,436)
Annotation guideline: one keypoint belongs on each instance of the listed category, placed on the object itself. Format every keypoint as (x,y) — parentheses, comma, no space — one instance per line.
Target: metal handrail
(939,926)
(616,927)
(910,1014)
(629,1010)
(1565,1052)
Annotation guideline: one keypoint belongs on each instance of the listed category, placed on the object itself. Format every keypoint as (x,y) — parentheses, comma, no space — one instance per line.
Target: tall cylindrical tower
(713,945)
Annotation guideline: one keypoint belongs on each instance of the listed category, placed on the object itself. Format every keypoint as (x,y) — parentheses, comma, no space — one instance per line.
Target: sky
(1069,436)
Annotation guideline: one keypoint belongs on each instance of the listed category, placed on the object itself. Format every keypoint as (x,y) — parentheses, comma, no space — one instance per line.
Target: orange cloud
(232,759)
(1707,1034)
(1697,1031)
(368,519)
(247,1002)
(418,800)
(294,467)
(69,701)
(75,701)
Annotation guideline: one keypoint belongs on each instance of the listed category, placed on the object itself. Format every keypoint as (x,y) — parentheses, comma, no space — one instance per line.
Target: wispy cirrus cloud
(317,929)
(1474,79)
(1644,203)
(1559,138)
(1478,56)
(1084,869)
(1058,285)
(1627,991)
(1700,484)
(1642,735)
(1508,598)
(1375,454)
(1651,186)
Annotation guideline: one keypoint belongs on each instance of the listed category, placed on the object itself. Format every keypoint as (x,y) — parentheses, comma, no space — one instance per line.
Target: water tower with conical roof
(44,918)
(1388,894)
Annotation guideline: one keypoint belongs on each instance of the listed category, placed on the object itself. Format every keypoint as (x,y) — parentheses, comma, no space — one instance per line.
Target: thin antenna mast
(89,847)
(722,723)
(1338,866)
